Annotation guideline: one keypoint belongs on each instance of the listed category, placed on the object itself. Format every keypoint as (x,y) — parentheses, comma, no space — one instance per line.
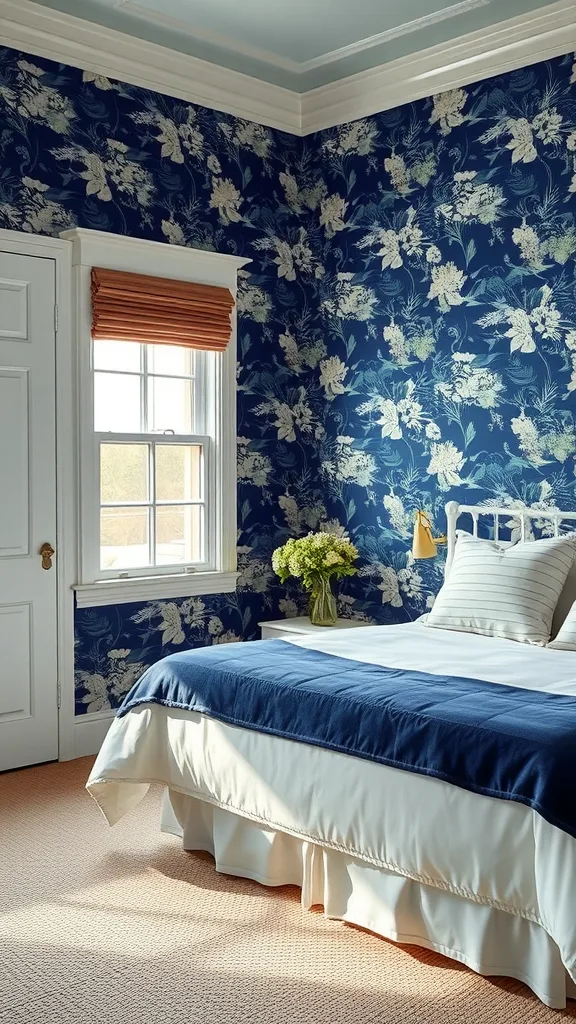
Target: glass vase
(322,604)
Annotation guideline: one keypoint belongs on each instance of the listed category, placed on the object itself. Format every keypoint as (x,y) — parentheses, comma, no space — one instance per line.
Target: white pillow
(506,592)
(565,640)
(567,596)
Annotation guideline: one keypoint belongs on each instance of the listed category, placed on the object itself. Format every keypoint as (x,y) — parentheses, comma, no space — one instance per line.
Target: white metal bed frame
(521,515)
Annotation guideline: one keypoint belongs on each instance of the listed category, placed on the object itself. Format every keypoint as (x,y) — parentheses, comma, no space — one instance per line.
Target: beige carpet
(118,926)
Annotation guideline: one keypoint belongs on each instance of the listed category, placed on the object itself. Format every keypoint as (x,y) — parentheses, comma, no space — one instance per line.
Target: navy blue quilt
(501,741)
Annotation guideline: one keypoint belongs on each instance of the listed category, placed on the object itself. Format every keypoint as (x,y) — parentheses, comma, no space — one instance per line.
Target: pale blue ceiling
(295,43)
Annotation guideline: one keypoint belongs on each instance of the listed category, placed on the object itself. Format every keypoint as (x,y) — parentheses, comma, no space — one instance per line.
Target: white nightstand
(301,626)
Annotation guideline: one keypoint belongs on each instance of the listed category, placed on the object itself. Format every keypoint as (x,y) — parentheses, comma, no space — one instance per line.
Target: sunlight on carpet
(118,926)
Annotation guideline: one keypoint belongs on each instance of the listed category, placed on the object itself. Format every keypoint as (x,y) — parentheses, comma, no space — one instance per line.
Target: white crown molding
(512,44)
(62,37)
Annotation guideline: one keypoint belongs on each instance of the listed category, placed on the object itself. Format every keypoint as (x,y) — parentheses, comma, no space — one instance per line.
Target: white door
(28,644)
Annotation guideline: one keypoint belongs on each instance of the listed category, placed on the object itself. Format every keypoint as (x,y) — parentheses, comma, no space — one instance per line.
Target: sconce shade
(423,545)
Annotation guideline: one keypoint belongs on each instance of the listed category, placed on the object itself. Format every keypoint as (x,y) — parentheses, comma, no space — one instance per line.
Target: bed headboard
(522,515)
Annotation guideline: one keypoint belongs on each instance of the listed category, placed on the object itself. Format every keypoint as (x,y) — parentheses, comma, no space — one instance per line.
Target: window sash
(206,502)
(201,379)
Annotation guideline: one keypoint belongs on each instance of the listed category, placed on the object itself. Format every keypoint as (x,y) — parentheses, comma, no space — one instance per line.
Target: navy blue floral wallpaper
(449,314)
(407,327)
(78,149)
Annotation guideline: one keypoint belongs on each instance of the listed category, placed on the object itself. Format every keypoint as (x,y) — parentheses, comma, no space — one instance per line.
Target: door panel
(14,306)
(16,677)
(28,626)
(14,462)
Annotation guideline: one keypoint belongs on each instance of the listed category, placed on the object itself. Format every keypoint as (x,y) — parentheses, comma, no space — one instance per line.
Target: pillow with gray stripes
(505,592)
(565,639)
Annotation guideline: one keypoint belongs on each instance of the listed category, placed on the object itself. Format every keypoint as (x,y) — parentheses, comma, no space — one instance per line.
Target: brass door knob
(46,552)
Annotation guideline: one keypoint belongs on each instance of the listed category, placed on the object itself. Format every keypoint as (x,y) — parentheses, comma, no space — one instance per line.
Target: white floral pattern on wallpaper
(407,328)
(449,307)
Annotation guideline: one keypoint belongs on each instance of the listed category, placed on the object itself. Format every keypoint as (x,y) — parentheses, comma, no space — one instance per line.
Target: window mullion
(95,513)
(209,500)
(152,509)
(199,394)
(144,412)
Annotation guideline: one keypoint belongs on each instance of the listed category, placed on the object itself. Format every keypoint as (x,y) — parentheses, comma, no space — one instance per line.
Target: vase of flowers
(322,606)
(317,560)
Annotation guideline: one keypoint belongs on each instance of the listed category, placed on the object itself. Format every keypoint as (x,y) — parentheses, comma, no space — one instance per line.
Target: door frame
(59,250)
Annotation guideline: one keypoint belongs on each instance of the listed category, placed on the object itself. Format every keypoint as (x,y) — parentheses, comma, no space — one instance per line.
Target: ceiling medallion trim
(426,21)
(214,38)
(265,56)
(512,44)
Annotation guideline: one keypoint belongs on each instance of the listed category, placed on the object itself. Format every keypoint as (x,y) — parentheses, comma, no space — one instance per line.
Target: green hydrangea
(315,557)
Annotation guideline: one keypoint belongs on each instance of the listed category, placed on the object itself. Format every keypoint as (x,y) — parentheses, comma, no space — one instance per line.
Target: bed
(488,882)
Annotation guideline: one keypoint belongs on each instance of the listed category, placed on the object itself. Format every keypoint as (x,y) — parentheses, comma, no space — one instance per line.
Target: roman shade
(157,310)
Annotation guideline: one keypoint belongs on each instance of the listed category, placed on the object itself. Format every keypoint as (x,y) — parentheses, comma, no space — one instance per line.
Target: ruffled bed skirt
(487,940)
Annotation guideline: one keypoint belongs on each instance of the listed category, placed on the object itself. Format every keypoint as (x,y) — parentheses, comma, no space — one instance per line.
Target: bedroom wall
(407,330)
(78,149)
(449,310)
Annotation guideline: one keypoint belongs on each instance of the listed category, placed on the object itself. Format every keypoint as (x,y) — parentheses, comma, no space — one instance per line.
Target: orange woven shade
(136,307)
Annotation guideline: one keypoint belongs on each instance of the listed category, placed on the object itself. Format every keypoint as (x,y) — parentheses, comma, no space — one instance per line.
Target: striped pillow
(506,592)
(565,640)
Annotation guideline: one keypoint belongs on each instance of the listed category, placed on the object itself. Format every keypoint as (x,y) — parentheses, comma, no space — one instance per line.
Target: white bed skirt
(487,940)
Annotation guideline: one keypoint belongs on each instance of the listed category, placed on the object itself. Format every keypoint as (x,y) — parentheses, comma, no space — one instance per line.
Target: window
(154,458)
(157,440)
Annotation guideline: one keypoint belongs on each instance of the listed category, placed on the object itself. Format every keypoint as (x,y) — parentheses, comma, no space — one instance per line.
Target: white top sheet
(447,652)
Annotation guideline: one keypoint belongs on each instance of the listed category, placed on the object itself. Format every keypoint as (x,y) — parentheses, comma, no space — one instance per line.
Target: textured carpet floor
(118,926)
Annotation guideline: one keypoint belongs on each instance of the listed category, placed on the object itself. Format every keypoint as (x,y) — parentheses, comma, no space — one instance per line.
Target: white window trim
(119,252)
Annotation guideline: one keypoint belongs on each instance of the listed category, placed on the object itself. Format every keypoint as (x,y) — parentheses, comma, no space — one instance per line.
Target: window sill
(154,588)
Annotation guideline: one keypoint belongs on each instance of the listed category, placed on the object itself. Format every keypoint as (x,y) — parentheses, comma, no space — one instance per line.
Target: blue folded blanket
(501,741)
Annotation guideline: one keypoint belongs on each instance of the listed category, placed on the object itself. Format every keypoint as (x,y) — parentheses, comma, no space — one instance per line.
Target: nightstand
(301,626)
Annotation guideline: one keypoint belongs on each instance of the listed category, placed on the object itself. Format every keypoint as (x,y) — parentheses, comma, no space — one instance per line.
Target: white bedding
(492,852)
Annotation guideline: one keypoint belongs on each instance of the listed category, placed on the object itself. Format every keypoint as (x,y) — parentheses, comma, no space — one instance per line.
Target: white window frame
(204,382)
(118,252)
